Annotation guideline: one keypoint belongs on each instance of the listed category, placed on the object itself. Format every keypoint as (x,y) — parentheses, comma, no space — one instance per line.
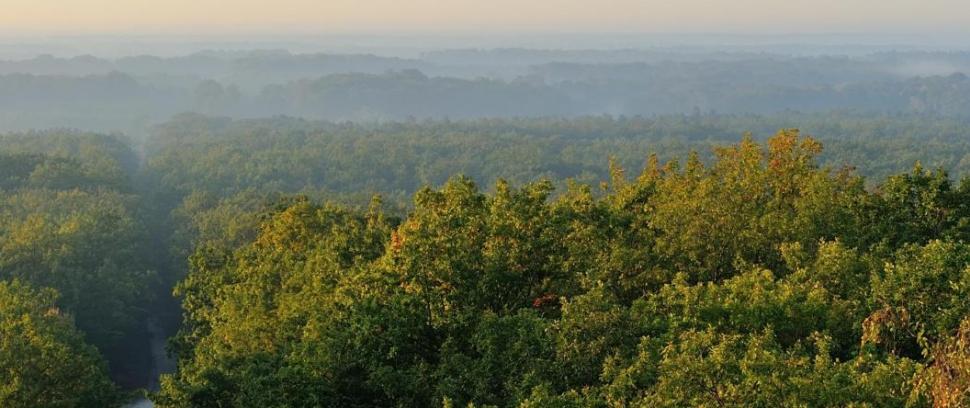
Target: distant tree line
(131,93)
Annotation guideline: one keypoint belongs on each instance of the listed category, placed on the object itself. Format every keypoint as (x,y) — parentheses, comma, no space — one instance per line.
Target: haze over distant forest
(557,203)
(131,93)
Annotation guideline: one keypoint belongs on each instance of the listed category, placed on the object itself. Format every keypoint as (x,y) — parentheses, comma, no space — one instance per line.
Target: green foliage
(67,159)
(754,276)
(921,205)
(747,203)
(922,294)
(44,360)
(707,369)
(82,244)
(947,380)
(744,282)
(69,221)
(278,286)
(745,304)
(517,346)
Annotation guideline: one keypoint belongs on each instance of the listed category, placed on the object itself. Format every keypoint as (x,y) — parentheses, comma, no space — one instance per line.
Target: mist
(465,203)
(350,79)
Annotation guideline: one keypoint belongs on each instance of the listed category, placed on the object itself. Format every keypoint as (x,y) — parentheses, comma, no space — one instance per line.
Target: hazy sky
(296,16)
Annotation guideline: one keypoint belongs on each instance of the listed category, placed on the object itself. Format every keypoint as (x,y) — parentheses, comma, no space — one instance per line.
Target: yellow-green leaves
(44,361)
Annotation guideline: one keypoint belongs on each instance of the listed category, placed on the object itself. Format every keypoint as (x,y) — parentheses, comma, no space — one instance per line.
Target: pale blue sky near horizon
(61,17)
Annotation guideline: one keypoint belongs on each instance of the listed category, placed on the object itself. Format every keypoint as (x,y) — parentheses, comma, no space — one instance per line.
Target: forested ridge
(133,92)
(590,261)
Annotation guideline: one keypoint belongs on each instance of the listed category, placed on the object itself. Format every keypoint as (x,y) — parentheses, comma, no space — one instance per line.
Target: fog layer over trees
(501,227)
(131,93)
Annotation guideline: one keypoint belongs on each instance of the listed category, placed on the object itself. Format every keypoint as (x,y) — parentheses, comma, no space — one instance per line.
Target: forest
(397,223)
(130,93)
(712,260)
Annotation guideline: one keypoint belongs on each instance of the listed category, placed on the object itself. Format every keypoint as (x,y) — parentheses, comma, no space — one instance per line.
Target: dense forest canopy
(224,156)
(758,279)
(486,227)
(70,221)
(768,271)
(44,360)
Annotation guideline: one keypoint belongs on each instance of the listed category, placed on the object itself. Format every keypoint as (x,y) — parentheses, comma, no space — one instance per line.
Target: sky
(574,16)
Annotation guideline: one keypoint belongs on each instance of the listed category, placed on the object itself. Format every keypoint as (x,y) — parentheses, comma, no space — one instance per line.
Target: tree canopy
(44,360)
(757,279)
